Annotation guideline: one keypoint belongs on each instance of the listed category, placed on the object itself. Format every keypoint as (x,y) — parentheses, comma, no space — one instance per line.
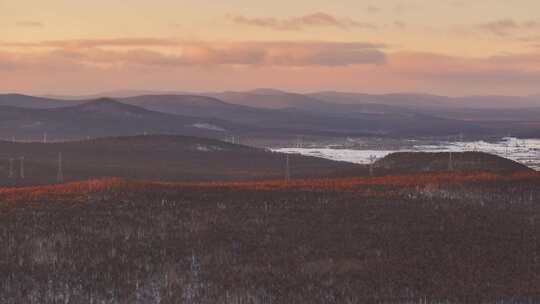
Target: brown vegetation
(428,238)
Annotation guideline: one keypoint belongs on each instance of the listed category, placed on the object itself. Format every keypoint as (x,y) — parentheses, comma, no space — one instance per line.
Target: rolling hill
(32,102)
(179,113)
(100,118)
(156,157)
(308,116)
(416,162)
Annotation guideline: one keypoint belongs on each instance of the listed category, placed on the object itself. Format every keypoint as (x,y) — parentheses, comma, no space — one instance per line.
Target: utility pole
(45,137)
(450,162)
(372,159)
(287,168)
(60,174)
(10,175)
(21,168)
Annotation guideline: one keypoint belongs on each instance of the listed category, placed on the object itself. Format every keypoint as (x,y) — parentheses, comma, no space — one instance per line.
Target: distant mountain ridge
(101,118)
(270,112)
(26,101)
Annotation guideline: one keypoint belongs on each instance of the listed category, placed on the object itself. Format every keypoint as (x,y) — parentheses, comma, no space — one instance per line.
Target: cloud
(88,43)
(148,52)
(35,24)
(507,27)
(287,65)
(401,8)
(373,9)
(304,64)
(318,19)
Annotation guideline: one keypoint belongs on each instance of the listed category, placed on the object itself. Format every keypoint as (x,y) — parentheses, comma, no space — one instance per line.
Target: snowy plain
(525,151)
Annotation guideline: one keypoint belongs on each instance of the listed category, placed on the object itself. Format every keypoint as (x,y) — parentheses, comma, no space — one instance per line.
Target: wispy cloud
(27,23)
(507,27)
(318,19)
(87,43)
(297,65)
(148,52)
(373,9)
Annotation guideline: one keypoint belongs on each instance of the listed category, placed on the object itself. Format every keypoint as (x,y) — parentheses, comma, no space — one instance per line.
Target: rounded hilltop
(411,162)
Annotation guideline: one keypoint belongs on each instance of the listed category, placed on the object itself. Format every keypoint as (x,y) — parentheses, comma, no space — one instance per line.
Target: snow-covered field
(525,151)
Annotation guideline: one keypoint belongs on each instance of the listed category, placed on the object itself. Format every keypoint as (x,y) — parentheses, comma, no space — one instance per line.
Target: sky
(447,47)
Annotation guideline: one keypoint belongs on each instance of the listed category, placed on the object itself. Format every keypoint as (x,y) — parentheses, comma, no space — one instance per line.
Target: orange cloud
(99,52)
(128,63)
(318,19)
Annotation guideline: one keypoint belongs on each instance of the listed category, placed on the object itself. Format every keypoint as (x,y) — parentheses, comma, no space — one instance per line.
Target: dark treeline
(150,243)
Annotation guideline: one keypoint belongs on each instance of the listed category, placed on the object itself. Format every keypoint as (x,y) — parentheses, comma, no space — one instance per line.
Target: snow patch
(208,126)
(346,155)
(208,148)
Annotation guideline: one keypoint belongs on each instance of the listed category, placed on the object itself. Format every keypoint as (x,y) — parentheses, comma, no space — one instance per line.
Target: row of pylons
(21,173)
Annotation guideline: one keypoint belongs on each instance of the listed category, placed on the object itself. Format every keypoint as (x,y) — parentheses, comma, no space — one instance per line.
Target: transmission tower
(60,174)
(45,137)
(235,140)
(21,168)
(300,142)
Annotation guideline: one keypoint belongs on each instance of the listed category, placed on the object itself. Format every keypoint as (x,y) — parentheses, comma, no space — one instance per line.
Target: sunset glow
(445,47)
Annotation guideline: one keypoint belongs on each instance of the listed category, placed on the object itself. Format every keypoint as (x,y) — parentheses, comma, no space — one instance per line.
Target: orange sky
(447,47)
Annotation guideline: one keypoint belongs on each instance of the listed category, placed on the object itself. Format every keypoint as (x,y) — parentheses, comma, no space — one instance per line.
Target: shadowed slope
(157,157)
